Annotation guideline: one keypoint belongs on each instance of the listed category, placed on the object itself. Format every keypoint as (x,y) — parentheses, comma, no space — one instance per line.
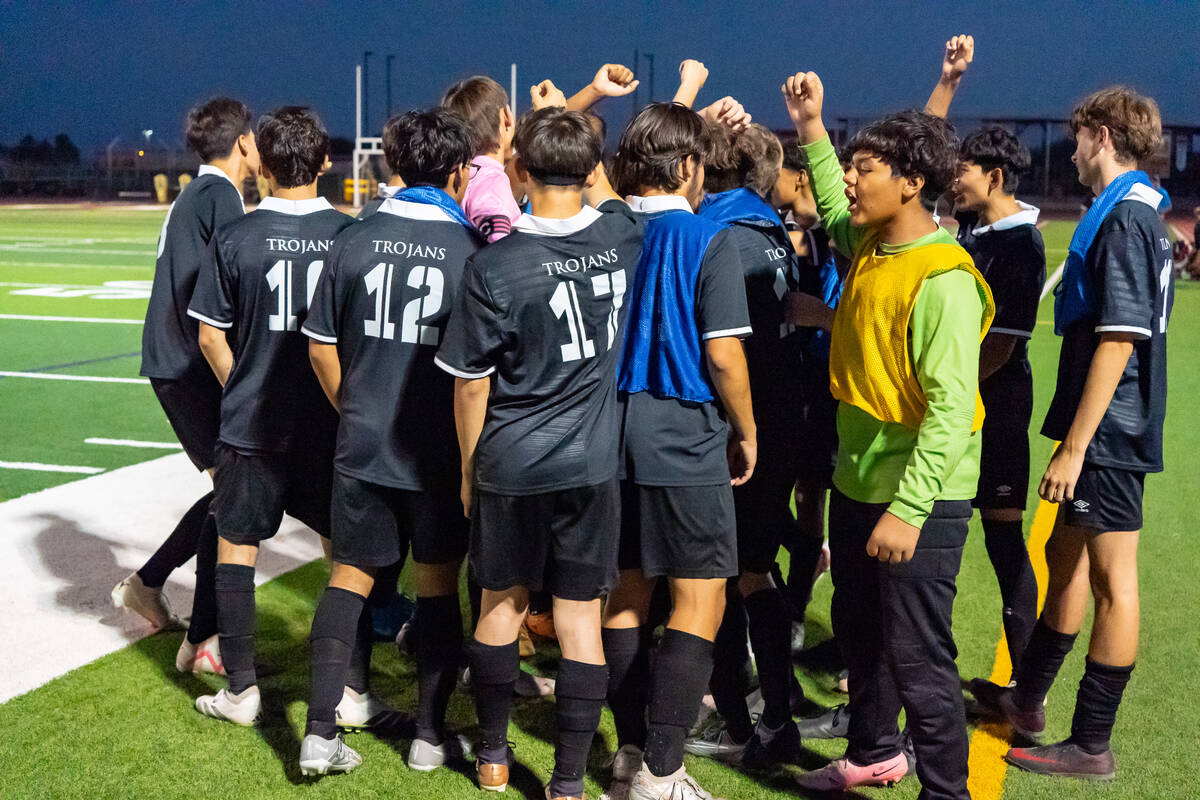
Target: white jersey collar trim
(1028,215)
(1144,194)
(659,202)
(411,210)
(295,208)
(547,226)
(209,169)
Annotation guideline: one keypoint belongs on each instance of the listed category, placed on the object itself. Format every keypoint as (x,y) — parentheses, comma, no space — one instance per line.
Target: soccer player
(1108,410)
(219,132)
(683,374)
(378,314)
(533,342)
(904,366)
(739,172)
(275,449)
(1000,232)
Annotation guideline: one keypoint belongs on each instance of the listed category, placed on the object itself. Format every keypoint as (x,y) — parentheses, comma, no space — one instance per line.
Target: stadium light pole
(366,114)
(650,58)
(388,81)
(512,95)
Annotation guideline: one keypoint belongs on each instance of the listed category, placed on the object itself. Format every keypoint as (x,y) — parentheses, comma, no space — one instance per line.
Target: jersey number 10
(379,283)
(279,279)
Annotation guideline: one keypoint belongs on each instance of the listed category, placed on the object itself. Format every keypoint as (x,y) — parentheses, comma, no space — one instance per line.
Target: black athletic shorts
(251,492)
(762,507)
(1106,499)
(817,434)
(193,407)
(563,541)
(1003,464)
(374,525)
(679,531)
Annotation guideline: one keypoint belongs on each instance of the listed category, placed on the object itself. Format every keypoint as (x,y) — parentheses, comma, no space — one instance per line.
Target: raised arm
(611,80)
(805,98)
(692,75)
(960,51)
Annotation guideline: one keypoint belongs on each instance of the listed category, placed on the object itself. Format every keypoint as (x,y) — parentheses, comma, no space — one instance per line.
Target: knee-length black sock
(771,639)
(178,547)
(203,623)
(1100,692)
(334,628)
(235,618)
(1018,585)
(682,668)
(579,699)
(1040,665)
(627,651)
(494,671)
(439,652)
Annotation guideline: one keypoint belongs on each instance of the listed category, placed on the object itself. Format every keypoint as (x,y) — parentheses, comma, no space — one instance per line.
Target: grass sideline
(124,726)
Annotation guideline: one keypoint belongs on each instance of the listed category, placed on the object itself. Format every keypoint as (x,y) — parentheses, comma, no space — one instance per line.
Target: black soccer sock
(474,597)
(579,699)
(731,666)
(1096,704)
(235,619)
(358,672)
(494,672)
(178,547)
(681,671)
(803,556)
(203,623)
(334,626)
(439,652)
(1018,585)
(1040,665)
(627,651)
(771,638)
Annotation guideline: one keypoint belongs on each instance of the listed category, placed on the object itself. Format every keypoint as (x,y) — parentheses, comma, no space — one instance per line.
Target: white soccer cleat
(716,743)
(357,712)
(676,786)
(322,756)
(625,765)
(426,757)
(152,604)
(200,658)
(240,709)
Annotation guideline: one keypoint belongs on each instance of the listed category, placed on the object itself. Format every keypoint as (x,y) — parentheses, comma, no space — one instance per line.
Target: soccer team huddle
(582,373)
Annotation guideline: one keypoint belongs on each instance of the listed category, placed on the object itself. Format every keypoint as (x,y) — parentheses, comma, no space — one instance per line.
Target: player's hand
(893,541)
(806,311)
(464,494)
(804,96)
(1058,484)
(547,95)
(742,455)
(727,112)
(614,80)
(960,52)
(692,73)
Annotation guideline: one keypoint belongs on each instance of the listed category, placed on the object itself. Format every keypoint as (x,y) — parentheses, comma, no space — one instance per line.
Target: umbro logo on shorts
(1081,506)
(1004,491)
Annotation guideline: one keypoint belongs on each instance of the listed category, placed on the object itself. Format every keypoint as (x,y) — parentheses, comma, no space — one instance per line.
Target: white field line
(1053,280)
(107,285)
(81,240)
(134,443)
(48,318)
(36,467)
(82,250)
(64,549)
(53,376)
(69,265)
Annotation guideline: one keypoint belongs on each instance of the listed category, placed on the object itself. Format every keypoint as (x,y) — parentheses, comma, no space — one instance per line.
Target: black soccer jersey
(1012,259)
(775,350)
(669,442)
(384,300)
(169,347)
(1131,269)
(372,206)
(256,284)
(542,311)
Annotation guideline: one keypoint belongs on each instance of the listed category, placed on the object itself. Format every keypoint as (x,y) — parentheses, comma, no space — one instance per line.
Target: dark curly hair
(912,143)
(213,127)
(794,157)
(293,145)
(425,147)
(995,148)
(749,159)
(660,138)
(557,147)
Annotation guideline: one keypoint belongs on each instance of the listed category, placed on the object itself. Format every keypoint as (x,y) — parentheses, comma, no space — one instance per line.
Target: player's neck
(907,225)
(234,168)
(1110,170)
(498,154)
(306,192)
(396,180)
(998,207)
(554,202)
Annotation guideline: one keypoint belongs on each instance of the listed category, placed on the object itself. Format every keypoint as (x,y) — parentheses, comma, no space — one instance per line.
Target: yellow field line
(989,743)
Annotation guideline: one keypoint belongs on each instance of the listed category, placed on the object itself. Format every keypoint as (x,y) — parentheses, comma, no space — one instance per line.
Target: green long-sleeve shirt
(885,462)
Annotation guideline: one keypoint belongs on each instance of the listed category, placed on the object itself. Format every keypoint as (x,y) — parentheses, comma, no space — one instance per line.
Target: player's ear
(506,118)
(912,186)
(687,168)
(519,169)
(995,179)
(594,175)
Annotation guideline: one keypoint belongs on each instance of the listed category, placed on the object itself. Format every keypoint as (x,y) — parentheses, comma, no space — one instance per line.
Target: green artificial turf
(124,725)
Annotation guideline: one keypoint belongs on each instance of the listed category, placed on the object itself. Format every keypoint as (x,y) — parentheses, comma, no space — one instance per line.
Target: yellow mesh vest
(869,363)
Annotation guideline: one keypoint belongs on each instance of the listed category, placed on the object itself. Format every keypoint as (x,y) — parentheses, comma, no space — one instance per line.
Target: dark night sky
(98,70)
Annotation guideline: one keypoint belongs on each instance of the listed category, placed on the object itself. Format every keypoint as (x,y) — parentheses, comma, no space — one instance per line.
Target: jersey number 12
(379,284)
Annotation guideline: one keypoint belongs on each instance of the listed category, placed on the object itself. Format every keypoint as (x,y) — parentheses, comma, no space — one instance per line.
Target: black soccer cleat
(1064,760)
